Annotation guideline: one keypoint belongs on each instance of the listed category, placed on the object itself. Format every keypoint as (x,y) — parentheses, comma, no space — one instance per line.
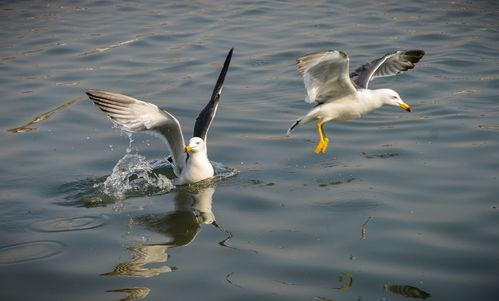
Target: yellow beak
(187,148)
(405,107)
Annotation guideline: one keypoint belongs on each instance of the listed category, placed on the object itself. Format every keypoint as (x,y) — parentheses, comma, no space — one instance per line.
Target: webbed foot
(322,146)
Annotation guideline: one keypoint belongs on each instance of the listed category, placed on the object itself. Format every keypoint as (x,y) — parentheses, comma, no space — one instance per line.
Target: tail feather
(295,124)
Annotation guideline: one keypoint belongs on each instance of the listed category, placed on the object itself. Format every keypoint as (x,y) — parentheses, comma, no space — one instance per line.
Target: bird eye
(394,97)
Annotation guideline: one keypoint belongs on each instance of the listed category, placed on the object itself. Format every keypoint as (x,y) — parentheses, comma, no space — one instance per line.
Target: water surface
(401,206)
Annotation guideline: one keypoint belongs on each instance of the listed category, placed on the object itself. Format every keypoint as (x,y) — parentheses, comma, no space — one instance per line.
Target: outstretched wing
(206,116)
(388,65)
(136,115)
(325,75)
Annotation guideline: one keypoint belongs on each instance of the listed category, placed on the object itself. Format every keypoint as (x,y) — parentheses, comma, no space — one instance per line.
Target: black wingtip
(293,126)
(414,55)
(92,92)
(221,77)
(91,95)
(206,116)
(415,52)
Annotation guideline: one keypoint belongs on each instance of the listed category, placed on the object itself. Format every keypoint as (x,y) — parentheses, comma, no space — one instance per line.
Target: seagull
(191,162)
(340,96)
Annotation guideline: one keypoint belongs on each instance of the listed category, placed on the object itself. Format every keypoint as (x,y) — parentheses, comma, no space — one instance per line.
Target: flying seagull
(340,96)
(133,115)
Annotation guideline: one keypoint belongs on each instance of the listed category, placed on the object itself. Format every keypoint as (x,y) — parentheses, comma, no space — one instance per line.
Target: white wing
(325,75)
(136,115)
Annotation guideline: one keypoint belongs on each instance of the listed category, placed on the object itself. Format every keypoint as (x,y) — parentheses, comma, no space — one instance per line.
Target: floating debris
(382,156)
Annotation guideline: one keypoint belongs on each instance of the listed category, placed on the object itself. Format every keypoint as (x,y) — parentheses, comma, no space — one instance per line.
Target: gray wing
(388,65)
(325,75)
(206,116)
(136,115)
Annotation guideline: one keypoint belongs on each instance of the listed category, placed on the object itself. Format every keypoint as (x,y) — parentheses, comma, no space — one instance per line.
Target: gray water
(401,206)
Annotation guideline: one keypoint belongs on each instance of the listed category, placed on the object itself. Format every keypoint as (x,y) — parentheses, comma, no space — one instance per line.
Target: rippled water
(401,206)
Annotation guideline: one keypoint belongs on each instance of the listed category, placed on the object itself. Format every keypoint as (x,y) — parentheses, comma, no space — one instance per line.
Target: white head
(390,97)
(196,144)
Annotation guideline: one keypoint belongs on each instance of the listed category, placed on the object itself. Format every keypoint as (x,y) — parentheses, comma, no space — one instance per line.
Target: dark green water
(401,206)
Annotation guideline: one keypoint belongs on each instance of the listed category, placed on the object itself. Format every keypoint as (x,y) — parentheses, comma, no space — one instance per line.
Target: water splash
(223,172)
(133,175)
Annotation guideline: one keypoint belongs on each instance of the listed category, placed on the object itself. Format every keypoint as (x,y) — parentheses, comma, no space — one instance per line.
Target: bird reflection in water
(407,291)
(134,293)
(192,208)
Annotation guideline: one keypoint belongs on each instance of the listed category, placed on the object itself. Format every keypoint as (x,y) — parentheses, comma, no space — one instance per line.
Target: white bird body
(135,115)
(340,96)
(198,165)
(348,107)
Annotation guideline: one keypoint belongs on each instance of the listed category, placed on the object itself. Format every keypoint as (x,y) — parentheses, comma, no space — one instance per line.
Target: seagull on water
(133,115)
(340,96)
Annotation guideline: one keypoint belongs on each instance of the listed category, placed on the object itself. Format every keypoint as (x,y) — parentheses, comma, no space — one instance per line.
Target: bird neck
(198,168)
(199,156)
(373,99)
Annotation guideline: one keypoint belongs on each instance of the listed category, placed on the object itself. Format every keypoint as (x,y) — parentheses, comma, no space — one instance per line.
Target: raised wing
(388,65)
(136,115)
(325,75)
(206,116)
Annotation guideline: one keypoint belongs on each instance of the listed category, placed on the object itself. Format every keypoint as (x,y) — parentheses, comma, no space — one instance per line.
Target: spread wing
(388,65)
(136,115)
(206,116)
(325,75)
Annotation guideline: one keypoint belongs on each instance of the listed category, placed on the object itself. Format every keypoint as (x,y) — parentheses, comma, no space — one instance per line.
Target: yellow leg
(326,139)
(323,139)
